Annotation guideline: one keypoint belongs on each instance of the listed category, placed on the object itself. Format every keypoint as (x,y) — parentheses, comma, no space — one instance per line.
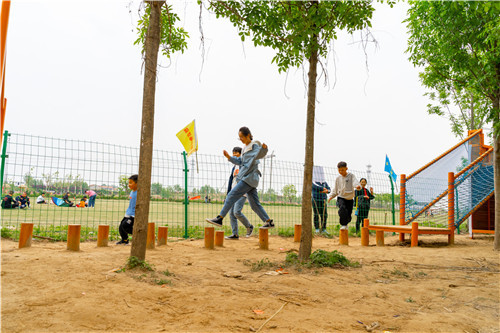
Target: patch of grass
(420,274)
(6,232)
(321,258)
(410,300)
(133,262)
(162,282)
(168,273)
(286,232)
(397,272)
(259,265)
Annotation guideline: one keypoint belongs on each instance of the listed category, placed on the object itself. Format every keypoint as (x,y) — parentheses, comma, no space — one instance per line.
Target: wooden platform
(414,229)
(406,229)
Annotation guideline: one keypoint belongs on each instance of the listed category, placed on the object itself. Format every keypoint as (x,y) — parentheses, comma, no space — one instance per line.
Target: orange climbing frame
(4,24)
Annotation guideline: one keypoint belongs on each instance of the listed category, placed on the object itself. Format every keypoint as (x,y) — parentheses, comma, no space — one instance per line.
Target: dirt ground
(432,288)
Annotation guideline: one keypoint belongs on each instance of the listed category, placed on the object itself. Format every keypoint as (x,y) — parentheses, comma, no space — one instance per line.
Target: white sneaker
(344,227)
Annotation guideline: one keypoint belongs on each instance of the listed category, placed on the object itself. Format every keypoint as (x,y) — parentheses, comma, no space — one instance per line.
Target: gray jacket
(248,162)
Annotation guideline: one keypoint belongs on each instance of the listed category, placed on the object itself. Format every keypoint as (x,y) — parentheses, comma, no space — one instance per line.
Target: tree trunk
(152,45)
(306,236)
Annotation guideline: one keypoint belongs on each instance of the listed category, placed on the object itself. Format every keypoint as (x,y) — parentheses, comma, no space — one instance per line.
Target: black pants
(320,213)
(126,227)
(362,215)
(345,210)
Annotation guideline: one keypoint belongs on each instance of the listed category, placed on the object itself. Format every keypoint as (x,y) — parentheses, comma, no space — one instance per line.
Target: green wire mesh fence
(56,166)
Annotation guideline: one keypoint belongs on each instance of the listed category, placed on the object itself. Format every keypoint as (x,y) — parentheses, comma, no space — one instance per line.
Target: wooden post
(264,239)
(402,206)
(365,236)
(414,234)
(380,237)
(219,238)
(451,208)
(344,237)
(150,242)
(73,243)
(209,237)
(102,235)
(297,232)
(25,235)
(162,235)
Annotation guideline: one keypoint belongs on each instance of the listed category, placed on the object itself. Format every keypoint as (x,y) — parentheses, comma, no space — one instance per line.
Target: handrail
(476,161)
(476,132)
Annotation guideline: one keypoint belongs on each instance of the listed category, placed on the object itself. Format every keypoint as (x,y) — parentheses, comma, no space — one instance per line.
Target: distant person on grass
(235,213)
(67,202)
(41,199)
(247,179)
(92,195)
(23,201)
(320,189)
(8,201)
(362,199)
(127,223)
(83,202)
(344,191)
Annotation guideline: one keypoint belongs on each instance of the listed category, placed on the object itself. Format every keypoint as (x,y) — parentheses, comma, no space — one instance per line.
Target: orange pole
(344,237)
(451,207)
(380,237)
(402,206)
(219,238)
(162,235)
(297,232)
(414,234)
(474,133)
(150,241)
(25,235)
(73,242)
(209,237)
(4,24)
(264,239)
(366,223)
(102,235)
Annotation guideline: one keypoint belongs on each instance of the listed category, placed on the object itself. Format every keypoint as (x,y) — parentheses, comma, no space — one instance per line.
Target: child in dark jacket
(362,199)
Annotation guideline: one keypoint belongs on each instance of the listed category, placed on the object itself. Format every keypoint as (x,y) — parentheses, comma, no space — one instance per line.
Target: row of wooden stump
(212,238)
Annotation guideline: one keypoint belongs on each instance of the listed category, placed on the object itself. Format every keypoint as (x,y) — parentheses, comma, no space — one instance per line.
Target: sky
(74,72)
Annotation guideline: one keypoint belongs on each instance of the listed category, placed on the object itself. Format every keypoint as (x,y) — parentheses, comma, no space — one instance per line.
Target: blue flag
(388,168)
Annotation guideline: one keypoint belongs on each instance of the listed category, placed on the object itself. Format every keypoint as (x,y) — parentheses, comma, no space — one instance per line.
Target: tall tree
(458,45)
(156,27)
(299,32)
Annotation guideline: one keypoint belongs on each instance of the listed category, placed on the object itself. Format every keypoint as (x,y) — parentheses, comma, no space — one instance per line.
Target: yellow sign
(187,136)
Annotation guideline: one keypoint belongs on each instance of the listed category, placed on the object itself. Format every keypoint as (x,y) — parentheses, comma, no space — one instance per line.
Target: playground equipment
(4,23)
(445,192)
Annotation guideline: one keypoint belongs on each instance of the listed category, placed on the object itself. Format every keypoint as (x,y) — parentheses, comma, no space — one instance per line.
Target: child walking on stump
(127,224)
(362,198)
(344,191)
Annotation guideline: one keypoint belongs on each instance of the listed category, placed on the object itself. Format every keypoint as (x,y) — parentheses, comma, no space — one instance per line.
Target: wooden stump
(209,237)
(102,235)
(25,235)
(264,239)
(73,243)
(162,235)
(297,233)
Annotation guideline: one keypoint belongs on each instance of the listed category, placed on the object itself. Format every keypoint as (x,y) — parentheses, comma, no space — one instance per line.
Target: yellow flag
(187,136)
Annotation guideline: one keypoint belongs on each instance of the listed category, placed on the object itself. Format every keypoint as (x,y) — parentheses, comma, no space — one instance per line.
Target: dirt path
(432,288)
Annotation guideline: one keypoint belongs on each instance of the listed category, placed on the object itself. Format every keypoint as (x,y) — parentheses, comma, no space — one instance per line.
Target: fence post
(451,207)
(4,156)
(393,206)
(402,205)
(186,200)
